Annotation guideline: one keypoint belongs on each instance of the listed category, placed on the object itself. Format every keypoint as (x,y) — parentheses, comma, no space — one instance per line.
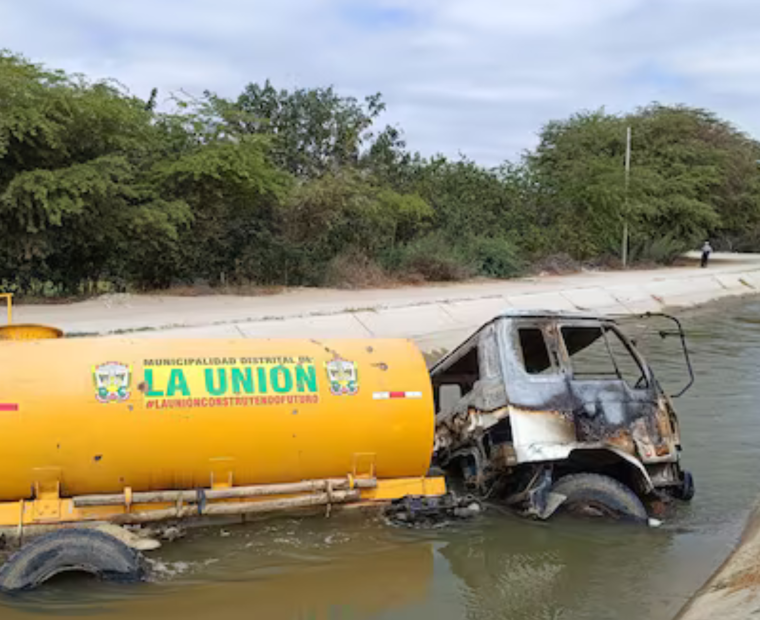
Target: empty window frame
(463,373)
(535,353)
(599,353)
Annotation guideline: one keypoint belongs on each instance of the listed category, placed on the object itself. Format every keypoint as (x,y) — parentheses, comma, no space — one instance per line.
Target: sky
(471,77)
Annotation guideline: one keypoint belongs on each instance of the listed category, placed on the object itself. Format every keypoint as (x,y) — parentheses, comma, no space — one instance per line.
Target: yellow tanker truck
(129,431)
(132,431)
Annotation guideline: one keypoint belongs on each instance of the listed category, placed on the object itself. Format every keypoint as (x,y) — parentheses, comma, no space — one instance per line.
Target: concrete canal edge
(436,316)
(733,591)
(445,321)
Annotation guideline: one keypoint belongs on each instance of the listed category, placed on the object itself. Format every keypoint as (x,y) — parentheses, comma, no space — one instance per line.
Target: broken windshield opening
(661,337)
(599,353)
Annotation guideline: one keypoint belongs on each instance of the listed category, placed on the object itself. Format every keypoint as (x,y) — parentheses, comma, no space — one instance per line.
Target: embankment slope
(434,316)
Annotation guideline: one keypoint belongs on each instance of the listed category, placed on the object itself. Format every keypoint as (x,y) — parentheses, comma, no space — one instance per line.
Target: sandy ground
(113,313)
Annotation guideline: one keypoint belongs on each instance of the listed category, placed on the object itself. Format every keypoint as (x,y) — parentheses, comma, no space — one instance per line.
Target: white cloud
(537,16)
(470,90)
(473,76)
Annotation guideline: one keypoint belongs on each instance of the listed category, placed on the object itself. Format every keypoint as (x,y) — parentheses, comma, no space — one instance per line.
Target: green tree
(73,162)
(234,193)
(314,131)
(347,213)
(692,175)
(301,187)
(699,175)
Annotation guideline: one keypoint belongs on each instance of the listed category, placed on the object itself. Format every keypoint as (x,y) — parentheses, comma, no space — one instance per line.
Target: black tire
(685,490)
(599,496)
(73,550)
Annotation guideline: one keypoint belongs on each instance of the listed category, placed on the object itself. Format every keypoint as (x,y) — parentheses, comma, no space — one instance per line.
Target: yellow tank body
(29,332)
(104,414)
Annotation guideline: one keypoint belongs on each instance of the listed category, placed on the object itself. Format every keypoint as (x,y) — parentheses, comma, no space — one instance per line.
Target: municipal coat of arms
(343,376)
(112,382)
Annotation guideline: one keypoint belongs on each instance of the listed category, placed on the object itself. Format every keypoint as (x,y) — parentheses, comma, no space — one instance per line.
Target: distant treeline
(100,189)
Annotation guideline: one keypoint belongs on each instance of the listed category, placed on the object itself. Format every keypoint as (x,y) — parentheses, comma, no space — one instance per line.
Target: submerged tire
(685,490)
(74,550)
(595,495)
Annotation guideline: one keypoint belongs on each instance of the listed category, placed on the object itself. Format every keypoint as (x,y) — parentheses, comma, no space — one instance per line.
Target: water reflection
(307,568)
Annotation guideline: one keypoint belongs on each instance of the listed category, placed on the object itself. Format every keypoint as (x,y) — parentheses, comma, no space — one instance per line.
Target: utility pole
(625,205)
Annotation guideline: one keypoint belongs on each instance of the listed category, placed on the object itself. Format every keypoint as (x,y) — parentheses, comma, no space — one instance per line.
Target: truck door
(611,387)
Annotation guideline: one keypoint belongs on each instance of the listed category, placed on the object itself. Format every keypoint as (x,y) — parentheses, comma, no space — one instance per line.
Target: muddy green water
(352,567)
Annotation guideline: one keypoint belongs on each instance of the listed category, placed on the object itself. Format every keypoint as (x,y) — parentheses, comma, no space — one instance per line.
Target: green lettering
(149,391)
(177,382)
(261,373)
(239,378)
(306,378)
(210,387)
(281,379)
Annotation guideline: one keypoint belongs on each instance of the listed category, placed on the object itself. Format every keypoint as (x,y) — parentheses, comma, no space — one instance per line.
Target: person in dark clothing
(706,251)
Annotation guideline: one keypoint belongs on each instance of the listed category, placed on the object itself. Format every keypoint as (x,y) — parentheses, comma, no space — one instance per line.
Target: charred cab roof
(550,314)
(522,314)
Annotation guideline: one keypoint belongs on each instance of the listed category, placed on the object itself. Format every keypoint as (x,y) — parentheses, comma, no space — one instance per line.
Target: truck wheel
(599,496)
(685,490)
(72,550)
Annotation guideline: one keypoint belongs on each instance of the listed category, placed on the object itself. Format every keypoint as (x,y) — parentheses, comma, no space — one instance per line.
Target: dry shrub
(437,268)
(605,262)
(250,290)
(413,278)
(197,289)
(352,270)
(202,289)
(557,265)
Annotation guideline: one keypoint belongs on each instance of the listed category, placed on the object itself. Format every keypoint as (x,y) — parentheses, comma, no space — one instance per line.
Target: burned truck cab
(549,410)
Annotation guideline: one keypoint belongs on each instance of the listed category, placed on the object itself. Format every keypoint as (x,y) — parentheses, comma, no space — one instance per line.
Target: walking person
(706,251)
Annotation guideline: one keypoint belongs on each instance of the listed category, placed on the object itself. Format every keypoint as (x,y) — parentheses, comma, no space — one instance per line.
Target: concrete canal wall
(733,592)
(434,316)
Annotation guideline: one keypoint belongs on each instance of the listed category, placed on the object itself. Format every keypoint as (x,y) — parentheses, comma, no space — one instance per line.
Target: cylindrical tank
(102,414)
(29,332)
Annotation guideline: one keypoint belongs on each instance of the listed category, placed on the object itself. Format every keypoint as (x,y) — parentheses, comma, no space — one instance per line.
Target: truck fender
(551,500)
(636,467)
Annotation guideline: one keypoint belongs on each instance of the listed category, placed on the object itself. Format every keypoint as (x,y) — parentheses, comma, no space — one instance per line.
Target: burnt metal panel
(541,392)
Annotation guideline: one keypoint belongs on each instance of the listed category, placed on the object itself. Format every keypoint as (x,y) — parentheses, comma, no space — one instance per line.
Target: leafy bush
(662,250)
(434,258)
(493,257)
